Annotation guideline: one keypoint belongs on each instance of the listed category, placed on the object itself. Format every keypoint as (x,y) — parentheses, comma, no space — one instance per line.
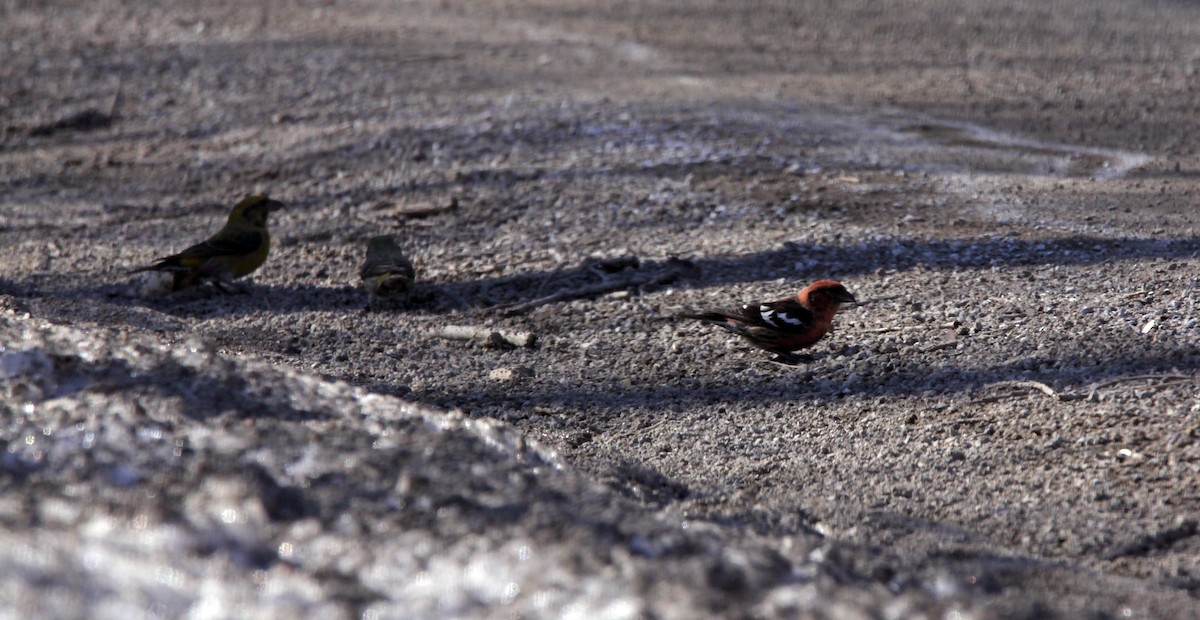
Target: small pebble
(510,373)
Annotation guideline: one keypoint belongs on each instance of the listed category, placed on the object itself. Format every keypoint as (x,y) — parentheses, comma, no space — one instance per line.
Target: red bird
(786,325)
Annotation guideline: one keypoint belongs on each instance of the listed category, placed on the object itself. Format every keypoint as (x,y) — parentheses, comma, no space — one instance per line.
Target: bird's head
(823,293)
(381,243)
(254,210)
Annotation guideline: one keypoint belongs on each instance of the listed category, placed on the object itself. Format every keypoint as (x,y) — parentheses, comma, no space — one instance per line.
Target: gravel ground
(1009,427)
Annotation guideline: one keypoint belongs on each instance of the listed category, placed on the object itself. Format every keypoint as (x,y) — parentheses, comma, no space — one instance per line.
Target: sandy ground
(1011,427)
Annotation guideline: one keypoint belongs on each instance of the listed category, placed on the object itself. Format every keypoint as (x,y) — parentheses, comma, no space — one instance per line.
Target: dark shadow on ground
(806,385)
(839,261)
(822,261)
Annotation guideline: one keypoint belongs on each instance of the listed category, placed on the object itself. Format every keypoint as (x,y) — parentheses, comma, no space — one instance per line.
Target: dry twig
(420,209)
(1036,385)
(671,271)
(907,328)
(1168,379)
(488,337)
(1173,378)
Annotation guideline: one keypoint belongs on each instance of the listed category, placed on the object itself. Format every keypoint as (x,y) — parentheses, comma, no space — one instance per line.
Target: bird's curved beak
(273,206)
(845,297)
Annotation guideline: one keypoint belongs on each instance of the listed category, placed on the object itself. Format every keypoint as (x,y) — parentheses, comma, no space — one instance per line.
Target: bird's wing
(400,267)
(785,315)
(238,244)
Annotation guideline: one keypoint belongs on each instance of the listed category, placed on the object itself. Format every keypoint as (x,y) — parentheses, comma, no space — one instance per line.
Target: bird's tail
(163,264)
(713,316)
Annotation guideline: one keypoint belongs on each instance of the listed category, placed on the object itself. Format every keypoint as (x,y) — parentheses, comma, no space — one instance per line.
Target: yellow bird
(240,247)
(386,272)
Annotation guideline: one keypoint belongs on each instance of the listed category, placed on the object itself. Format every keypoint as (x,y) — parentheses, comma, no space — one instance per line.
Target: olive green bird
(240,247)
(386,272)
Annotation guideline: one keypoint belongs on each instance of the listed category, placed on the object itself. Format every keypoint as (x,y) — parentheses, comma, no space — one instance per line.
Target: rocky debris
(168,479)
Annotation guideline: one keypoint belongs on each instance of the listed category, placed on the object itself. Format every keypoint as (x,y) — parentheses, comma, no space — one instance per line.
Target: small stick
(558,271)
(429,58)
(1037,385)
(666,277)
(1167,380)
(639,431)
(969,420)
(422,209)
(884,330)
(1175,377)
(116,99)
(608,286)
(486,336)
(573,293)
(905,328)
